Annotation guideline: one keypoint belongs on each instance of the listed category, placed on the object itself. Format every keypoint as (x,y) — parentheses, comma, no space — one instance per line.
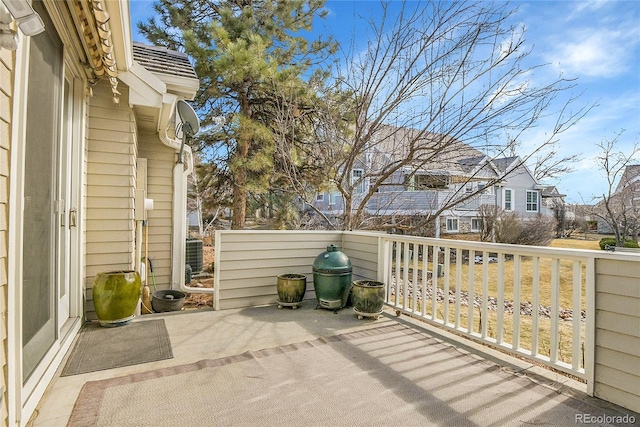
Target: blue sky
(596,42)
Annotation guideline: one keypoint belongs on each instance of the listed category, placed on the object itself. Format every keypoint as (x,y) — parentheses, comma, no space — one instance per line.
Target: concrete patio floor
(203,334)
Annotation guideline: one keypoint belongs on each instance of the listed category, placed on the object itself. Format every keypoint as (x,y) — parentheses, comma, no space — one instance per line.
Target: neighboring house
(624,202)
(458,176)
(87,132)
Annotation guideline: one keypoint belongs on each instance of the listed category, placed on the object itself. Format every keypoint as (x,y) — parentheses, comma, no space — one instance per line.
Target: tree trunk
(240,175)
(239,205)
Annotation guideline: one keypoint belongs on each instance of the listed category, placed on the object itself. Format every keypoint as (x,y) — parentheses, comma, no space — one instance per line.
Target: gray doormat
(99,348)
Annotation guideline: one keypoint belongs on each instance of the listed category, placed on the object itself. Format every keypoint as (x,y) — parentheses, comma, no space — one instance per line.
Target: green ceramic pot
(291,288)
(115,297)
(367,296)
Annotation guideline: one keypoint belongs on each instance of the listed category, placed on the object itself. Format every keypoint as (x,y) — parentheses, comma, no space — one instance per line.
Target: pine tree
(246,54)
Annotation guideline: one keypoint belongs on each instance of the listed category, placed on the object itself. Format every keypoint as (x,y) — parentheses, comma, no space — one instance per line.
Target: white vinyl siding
(617,361)
(251,261)
(111,172)
(160,162)
(533,201)
(246,273)
(507,199)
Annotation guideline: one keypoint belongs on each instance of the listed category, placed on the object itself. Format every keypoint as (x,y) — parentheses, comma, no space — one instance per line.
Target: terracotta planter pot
(367,297)
(115,297)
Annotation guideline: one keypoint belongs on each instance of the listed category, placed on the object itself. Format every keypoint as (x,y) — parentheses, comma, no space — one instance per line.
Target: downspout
(179,213)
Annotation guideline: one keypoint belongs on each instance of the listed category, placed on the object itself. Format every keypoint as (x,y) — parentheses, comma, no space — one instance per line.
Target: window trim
(451,229)
(511,199)
(479,222)
(537,202)
(360,188)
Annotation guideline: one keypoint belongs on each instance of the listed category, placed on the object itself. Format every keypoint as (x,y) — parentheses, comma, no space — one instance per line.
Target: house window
(320,197)
(507,201)
(357,181)
(476,224)
(468,188)
(532,201)
(452,225)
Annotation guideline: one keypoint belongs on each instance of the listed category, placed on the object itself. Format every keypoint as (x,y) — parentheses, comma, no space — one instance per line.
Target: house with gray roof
(454,180)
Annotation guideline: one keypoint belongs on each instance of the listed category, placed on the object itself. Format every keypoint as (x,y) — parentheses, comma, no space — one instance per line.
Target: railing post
(590,327)
(216,270)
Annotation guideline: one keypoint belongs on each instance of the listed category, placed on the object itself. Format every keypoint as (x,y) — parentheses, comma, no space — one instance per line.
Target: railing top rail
(579,254)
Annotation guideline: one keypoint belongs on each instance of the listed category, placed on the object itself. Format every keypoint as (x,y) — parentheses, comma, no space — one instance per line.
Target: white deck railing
(535,302)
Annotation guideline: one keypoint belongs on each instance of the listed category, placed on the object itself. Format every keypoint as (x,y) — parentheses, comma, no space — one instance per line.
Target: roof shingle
(161,60)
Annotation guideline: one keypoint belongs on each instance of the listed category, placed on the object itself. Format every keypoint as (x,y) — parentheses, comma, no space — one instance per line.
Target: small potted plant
(291,289)
(367,297)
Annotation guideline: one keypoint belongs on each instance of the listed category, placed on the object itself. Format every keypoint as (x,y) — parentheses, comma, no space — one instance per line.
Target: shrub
(512,229)
(607,241)
(611,241)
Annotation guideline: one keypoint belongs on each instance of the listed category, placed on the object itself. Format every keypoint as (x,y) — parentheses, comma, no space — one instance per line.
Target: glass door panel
(40,184)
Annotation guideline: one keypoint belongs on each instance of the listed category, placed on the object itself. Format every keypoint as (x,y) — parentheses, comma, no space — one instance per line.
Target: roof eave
(120,24)
(184,87)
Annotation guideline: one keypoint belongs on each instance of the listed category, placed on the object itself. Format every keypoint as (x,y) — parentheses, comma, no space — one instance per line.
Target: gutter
(181,171)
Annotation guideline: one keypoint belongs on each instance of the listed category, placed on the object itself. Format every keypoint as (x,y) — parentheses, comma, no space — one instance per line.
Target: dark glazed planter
(291,289)
(367,297)
(115,297)
(167,300)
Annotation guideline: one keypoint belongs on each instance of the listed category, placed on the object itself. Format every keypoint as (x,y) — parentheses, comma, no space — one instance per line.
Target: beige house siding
(111,174)
(617,351)
(6,90)
(160,162)
(362,250)
(250,262)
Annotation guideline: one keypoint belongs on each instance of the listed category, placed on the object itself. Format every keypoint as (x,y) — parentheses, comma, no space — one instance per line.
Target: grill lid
(332,261)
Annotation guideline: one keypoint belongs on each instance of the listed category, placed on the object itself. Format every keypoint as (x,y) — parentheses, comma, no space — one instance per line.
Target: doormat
(99,348)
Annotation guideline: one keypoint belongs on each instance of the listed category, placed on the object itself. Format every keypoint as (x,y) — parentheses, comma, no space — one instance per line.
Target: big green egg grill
(332,278)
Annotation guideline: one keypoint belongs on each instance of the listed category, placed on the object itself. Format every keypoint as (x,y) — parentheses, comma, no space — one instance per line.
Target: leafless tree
(619,206)
(433,75)
(489,215)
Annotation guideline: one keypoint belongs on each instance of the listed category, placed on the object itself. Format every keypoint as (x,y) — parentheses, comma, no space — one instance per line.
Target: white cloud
(587,6)
(600,53)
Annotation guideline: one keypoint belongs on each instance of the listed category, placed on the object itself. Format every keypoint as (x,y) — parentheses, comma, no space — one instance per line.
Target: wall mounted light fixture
(28,19)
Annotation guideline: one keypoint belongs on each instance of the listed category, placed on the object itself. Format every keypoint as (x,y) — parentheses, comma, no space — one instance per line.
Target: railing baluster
(447,261)
(387,259)
(424,279)
(500,300)
(555,309)
(434,282)
(458,285)
(398,271)
(484,318)
(516,301)
(471,297)
(535,306)
(414,280)
(577,315)
(405,275)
